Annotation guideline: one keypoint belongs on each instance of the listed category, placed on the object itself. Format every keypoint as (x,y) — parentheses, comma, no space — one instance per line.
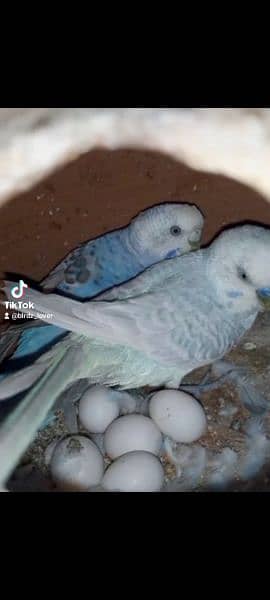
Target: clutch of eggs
(132,441)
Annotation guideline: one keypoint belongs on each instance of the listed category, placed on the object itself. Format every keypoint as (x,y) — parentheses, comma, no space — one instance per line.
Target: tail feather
(20,381)
(8,343)
(10,338)
(20,427)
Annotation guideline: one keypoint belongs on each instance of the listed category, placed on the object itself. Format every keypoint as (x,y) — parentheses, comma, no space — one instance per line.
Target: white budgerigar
(178,315)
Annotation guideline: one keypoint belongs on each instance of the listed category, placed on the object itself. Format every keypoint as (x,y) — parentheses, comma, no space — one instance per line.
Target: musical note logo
(18,290)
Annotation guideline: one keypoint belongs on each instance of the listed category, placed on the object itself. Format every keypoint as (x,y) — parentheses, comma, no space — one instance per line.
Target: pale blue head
(240,266)
(167,230)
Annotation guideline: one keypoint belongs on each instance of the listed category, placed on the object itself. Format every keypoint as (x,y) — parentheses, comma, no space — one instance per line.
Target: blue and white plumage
(175,317)
(163,231)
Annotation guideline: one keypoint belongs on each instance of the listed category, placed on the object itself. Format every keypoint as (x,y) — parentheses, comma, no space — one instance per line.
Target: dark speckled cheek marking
(83,276)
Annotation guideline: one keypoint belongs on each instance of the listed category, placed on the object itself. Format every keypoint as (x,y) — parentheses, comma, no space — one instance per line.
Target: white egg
(76,464)
(134,472)
(178,415)
(132,432)
(98,407)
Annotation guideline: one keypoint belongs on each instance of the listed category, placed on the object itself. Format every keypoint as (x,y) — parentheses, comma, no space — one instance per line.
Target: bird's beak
(264,297)
(194,239)
(194,245)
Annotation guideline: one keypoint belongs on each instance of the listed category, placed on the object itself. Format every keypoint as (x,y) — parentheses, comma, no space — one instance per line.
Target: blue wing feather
(106,262)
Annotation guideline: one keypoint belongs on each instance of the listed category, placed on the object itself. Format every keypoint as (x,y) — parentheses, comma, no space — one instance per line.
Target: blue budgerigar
(163,231)
(177,316)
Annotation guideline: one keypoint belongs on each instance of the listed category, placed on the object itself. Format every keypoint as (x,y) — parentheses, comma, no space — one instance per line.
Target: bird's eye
(175,230)
(242,274)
